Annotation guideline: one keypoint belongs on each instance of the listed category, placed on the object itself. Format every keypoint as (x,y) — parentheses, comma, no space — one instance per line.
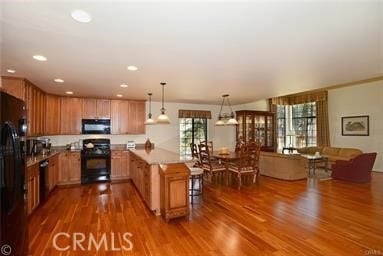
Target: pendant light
(163,118)
(230,117)
(150,120)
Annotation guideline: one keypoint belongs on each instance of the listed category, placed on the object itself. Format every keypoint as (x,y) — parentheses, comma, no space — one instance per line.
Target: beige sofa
(332,153)
(285,167)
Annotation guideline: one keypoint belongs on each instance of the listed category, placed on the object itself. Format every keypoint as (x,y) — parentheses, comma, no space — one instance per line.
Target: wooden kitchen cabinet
(33,183)
(96,109)
(52,115)
(136,117)
(36,108)
(70,168)
(120,165)
(174,190)
(71,115)
(127,117)
(119,116)
(53,171)
(14,86)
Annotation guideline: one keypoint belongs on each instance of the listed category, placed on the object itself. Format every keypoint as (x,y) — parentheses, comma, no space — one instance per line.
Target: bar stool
(196,174)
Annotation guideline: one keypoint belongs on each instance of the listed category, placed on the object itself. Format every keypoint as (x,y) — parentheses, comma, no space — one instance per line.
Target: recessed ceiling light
(40,57)
(119,95)
(132,68)
(11,71)
(69,92)
(59,80)
(81,16)
(123,85)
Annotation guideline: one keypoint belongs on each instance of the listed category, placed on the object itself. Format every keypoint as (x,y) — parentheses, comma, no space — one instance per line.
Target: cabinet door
(124,116)
(89,108)
(116,164)
(30,192)
(136,117)
(74,167)
(53,115)
(178,192)
(14,87)
(103,109)
(63,175)
(115,116)
(125,165)
(71,115)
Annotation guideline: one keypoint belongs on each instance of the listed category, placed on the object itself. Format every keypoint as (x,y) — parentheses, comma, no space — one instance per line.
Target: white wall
(364,99)
(165,136)
(260,105)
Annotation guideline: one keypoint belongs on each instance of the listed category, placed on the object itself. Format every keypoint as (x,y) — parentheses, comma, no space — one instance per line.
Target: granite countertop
(160,156)
(32,160)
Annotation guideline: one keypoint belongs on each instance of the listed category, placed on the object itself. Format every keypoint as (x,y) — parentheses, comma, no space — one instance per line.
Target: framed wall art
(355,126)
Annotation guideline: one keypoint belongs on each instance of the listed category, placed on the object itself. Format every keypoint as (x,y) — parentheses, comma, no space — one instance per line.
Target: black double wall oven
(95,161)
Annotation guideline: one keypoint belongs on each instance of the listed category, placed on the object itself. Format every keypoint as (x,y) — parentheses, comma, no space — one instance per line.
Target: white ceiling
(251,50)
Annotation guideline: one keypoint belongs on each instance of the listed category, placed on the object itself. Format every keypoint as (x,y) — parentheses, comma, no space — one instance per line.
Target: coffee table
(313,160)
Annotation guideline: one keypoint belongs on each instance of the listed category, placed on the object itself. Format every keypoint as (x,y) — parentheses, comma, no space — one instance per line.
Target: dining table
(226,158)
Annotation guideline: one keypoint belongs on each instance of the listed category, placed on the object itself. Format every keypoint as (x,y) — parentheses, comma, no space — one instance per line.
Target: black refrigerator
(14,231)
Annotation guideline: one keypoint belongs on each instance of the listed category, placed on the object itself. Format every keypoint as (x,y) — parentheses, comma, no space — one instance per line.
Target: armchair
(356,170)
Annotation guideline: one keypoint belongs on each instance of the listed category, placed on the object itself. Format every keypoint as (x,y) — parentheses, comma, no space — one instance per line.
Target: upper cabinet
(136,117)
(119,116)
(127,117)
(96,109)
(55,115)
(70,115)
(14,87)
(52,115)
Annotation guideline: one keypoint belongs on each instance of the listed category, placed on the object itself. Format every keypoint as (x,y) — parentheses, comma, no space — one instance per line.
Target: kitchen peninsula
(145,173)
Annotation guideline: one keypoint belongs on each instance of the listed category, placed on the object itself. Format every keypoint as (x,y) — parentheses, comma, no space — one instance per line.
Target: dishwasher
(44,180)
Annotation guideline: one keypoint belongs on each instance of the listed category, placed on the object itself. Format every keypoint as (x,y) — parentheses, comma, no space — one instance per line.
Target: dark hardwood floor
(274,217)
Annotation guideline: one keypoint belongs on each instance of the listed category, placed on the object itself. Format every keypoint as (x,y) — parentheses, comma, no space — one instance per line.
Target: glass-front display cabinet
(258,126)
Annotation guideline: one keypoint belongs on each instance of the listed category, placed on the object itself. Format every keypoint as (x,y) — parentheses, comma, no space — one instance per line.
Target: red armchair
(356,170)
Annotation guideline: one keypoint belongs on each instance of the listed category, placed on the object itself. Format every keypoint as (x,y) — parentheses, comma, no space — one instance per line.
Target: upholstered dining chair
(210,167)
(248,163)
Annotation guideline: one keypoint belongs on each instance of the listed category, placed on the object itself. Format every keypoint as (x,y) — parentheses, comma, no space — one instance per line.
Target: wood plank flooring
(274,217)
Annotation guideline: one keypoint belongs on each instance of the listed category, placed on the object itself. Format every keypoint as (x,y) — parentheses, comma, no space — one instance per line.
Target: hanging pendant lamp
(230,117)
(150,120)
(163,118)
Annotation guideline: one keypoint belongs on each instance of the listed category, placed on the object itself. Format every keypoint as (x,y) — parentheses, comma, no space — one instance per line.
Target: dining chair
(209,166)
(248,163)
(195,154)
(209,144)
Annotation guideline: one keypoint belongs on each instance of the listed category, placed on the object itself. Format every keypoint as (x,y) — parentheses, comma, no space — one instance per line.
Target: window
(192,130)
(297,125)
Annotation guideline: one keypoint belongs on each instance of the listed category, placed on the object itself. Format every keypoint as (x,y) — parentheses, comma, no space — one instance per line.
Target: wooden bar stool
(196,174)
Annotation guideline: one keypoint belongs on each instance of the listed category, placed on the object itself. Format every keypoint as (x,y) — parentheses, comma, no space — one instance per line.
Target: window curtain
(183,113)
(320,99)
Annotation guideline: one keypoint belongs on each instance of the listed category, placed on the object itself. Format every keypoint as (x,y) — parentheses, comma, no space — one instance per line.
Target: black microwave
(95,126)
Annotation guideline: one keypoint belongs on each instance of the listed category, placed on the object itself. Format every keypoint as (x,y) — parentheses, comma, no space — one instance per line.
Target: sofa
(356,170)
(333,153)
(280,166)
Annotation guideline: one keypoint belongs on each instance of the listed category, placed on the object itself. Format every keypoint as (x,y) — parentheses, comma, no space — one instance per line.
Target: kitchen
(243,90)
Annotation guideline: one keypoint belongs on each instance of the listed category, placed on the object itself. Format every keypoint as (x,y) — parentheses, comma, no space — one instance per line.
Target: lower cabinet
(141,175)
(33,179)
(70,168)
(174,190)
(120,165)
(53,172)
